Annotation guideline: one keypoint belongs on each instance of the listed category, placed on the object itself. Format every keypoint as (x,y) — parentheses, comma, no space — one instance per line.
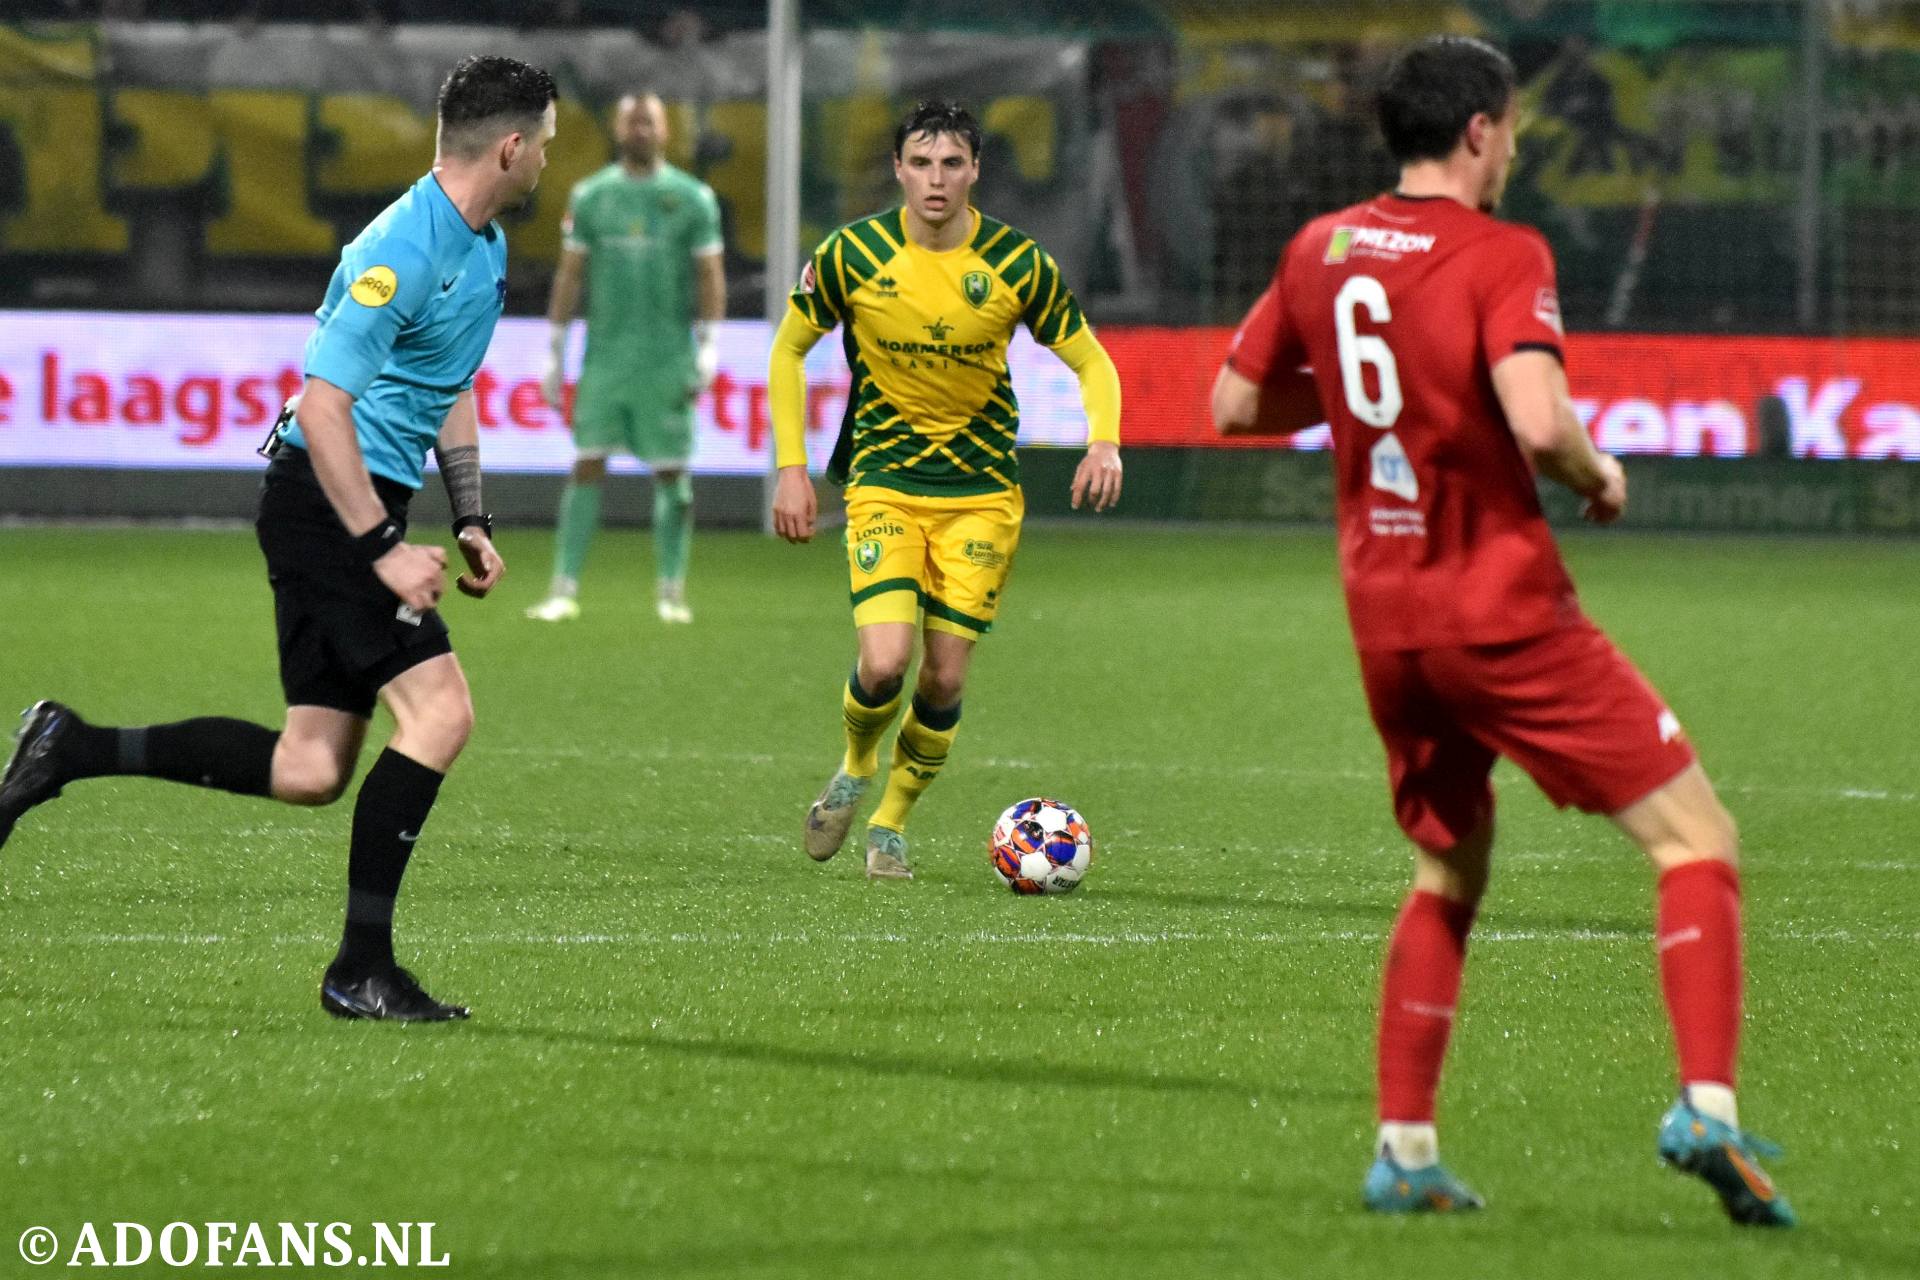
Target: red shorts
(1565,706)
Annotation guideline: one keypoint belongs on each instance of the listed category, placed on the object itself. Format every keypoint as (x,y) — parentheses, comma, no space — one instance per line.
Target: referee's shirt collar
(446,211)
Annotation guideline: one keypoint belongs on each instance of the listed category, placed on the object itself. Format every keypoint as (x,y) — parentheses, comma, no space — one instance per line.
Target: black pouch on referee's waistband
(275,434)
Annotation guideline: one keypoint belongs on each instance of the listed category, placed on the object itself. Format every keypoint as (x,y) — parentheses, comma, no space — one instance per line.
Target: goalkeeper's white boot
(555,609)
(670,605)
(887,855)
(831,816)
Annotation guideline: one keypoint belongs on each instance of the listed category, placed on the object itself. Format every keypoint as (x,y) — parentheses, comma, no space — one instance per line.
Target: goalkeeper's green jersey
(641,236)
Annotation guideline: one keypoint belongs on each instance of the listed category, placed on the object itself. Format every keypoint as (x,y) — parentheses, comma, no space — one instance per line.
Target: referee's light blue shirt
(406,321)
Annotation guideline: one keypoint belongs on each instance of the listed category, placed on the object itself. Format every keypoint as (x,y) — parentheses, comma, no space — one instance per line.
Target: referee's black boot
(390,995)
(34,772)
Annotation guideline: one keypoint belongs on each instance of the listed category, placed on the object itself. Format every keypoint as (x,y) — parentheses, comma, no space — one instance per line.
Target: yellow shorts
(946,559)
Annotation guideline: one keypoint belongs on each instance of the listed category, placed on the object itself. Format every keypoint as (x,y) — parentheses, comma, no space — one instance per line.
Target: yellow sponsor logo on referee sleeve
(375,287)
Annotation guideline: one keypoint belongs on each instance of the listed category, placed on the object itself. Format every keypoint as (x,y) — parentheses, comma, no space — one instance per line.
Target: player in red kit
(1430,334)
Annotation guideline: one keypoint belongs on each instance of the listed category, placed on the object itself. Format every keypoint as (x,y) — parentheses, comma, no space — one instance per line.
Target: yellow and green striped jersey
(931,410)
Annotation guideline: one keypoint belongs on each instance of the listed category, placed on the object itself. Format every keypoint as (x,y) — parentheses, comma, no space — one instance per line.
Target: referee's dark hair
(935,118)
(485,97)
(1433,89)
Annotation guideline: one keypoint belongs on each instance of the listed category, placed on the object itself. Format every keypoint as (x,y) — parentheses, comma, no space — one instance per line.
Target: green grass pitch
(694,1052)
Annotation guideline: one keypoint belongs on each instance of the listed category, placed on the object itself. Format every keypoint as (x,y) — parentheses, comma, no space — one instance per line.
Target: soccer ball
(1040,846)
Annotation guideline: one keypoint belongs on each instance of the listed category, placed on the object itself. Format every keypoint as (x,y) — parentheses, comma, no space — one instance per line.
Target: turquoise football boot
(1727,1160)
(1391,1189)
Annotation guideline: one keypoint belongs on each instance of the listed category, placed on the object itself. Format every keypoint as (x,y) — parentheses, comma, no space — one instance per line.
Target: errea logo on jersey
(1379,242)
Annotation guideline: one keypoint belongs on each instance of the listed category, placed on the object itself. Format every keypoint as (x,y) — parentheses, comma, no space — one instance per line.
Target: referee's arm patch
(375,287)
(353,342)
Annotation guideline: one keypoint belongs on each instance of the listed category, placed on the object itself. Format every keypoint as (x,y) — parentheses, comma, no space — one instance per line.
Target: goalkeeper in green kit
(644,238)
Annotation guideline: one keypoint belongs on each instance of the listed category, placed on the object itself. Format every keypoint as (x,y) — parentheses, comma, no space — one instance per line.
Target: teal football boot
(1391,1189)
(1727,1160)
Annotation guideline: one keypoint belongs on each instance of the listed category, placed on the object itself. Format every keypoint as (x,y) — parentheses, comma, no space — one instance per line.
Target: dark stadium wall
(1268,487)
(1704,495)
(103,493)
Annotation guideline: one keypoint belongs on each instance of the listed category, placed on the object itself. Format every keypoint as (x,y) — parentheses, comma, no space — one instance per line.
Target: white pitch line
(665,756)
(1368,777)
(1821,793)
(1043,937)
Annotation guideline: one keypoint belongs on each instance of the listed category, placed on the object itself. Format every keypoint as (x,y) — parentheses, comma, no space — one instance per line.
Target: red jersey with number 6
(1402,307)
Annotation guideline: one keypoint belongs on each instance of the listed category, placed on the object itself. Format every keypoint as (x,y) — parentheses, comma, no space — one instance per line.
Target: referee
(389,375)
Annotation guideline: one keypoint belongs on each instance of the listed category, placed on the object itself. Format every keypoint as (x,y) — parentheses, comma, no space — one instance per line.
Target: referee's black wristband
(379,540)
(482,523)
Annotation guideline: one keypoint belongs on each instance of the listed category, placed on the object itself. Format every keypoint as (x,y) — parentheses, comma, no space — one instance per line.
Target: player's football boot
(555,609)
(34,773)
(390,995)
(831,816)
(1392,1189)
(1728,1160)
(671,606)
(887,855)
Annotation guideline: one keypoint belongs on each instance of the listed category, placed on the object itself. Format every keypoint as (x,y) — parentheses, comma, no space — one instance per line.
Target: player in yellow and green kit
(928,296)
(645,237)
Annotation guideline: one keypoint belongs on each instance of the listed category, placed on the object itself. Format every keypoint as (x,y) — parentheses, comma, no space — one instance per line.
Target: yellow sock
(918,753)
(866,725)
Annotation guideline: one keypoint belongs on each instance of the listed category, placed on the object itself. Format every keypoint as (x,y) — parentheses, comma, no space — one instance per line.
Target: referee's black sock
(392,807)
(213,751)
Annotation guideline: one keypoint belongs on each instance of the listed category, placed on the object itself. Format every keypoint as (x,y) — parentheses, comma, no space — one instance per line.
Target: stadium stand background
(1731,169)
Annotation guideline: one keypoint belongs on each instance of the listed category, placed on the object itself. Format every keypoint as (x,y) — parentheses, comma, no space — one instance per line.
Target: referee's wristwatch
(482,523)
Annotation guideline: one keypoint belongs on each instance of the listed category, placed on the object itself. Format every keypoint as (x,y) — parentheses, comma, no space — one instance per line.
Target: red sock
(1699,940)
(1425,957)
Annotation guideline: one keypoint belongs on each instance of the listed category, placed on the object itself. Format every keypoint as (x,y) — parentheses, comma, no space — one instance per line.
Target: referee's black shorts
(343,635)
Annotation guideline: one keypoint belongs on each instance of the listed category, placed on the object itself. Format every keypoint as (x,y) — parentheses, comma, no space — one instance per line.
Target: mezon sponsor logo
(1346,242)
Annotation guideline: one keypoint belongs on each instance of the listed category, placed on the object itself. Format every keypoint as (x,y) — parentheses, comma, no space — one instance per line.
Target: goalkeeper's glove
(706,354)
(553,382)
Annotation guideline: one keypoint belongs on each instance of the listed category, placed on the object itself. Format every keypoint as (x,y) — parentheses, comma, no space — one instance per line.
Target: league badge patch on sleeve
(806,278)
(375,287)
(1546,309)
